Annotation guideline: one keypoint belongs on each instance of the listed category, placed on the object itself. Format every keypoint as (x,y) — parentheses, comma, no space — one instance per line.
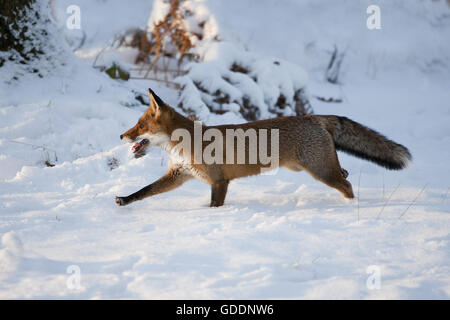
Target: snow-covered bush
(29,42)
(230,79)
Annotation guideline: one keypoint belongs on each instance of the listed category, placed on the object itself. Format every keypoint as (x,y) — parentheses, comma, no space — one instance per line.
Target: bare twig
(32,145)
(387,201)
(178,71)
(334,66)
(82,41)
(418,195)
(328,100)
(359,182)
(45,150)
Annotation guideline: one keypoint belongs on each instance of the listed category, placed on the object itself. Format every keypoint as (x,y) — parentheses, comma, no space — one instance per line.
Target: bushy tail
(360,141)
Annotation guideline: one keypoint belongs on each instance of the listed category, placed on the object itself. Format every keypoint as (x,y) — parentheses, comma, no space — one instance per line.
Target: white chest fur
(175,160)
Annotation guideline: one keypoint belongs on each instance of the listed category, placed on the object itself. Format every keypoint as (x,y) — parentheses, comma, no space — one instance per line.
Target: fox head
(153,124)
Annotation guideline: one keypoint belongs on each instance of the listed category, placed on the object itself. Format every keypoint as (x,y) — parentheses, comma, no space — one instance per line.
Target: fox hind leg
(333,177)
(323,164)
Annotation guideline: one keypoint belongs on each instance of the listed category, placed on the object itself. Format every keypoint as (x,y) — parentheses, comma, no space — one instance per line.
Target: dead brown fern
(168,38)
(168,42)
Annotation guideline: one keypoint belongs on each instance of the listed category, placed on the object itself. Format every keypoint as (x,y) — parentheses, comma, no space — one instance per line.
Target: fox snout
(130,135)
(126,138)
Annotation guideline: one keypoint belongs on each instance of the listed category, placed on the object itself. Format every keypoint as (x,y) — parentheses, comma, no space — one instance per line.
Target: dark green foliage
(21,28)
(116,72)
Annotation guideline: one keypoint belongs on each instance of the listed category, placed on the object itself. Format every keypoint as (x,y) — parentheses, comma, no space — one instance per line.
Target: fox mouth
(139,148)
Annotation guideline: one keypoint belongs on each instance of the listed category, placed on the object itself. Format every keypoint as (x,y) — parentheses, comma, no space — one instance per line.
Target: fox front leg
(171,180)
(218,193)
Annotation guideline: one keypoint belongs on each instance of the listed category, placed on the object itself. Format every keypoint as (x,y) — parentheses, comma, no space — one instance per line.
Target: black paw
(344,173)
(121,201)
(215,204)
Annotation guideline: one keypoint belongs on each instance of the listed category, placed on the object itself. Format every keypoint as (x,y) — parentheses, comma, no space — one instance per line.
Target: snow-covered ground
(280,236)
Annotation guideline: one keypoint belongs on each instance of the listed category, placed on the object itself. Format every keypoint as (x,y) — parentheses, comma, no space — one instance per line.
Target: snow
(277,236)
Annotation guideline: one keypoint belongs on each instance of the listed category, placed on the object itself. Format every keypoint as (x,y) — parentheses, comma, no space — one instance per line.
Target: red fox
(305,143)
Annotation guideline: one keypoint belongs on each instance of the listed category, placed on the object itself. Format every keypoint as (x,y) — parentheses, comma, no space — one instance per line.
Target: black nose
(121,136)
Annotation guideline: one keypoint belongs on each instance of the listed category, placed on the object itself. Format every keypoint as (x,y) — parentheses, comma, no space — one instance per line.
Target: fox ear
(155,102)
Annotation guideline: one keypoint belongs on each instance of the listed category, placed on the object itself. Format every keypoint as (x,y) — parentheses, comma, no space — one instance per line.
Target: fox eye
(141,126)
